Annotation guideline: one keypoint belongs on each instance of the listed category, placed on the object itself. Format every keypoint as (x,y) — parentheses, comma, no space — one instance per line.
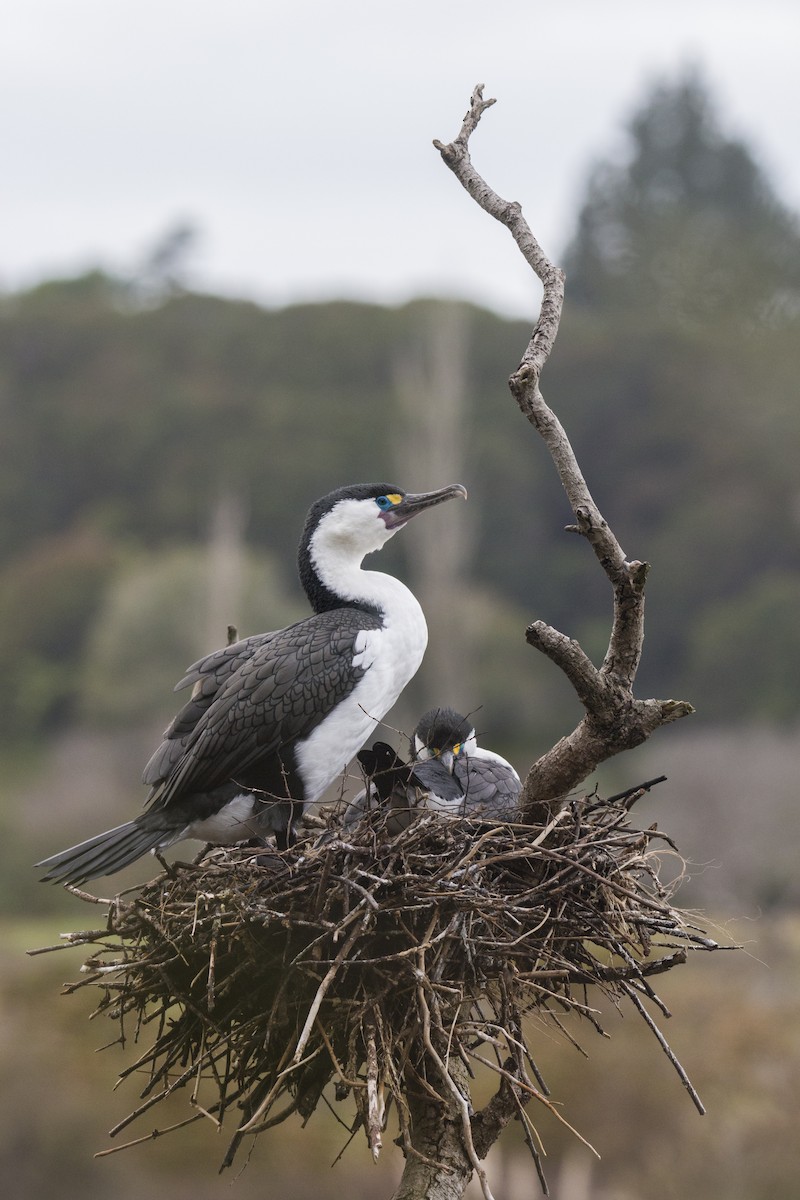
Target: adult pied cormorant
(274,718)
(448,773)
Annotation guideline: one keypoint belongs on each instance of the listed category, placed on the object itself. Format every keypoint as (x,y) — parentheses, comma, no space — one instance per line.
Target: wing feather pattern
(490,785)
(253,700)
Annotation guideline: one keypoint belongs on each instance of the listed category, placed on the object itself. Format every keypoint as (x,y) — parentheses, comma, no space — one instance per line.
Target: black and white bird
(274,718)
(489,784)
(448,773)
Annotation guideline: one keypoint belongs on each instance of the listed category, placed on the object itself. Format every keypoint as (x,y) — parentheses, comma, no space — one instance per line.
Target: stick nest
(373,962)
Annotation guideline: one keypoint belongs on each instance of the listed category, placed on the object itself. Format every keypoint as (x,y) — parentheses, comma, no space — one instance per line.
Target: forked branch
(615,720)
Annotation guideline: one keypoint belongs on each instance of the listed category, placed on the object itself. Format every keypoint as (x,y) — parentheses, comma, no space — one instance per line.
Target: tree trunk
(440,1169)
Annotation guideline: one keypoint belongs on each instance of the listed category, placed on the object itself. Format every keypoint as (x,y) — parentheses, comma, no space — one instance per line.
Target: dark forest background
(159,450)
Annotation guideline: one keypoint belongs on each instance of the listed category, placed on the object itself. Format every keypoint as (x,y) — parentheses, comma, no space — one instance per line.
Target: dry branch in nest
(383,966)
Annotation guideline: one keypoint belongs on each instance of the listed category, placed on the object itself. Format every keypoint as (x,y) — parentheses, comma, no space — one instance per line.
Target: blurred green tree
(154,622)
(688,226)
(745,651)
(49,598)
(673,374)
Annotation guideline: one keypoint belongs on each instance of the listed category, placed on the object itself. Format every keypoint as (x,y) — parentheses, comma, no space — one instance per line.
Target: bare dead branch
(662,1041)
(375,1106)
(461,1101)
(615,720)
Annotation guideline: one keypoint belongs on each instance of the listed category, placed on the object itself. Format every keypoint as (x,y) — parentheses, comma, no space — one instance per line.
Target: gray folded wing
(254,697)
(208,676)
(491,788)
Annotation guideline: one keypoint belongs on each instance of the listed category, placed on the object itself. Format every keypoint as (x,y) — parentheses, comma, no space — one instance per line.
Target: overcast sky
(297,135)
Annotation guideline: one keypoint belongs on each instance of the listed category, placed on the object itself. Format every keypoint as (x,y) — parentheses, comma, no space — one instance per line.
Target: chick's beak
(448,760)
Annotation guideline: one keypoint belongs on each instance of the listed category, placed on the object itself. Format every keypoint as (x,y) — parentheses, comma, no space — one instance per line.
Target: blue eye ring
(383,503)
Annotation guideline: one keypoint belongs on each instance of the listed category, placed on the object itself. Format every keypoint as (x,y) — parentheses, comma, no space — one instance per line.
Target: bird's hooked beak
(416,502)
(448,759)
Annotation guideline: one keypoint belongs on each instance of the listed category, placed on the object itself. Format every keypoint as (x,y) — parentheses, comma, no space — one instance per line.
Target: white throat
(340,544)
(389,656)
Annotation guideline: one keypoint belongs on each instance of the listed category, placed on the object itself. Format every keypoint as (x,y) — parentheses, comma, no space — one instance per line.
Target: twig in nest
(460,1099)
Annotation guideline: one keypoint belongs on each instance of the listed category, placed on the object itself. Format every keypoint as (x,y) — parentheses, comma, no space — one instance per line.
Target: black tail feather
(101,855)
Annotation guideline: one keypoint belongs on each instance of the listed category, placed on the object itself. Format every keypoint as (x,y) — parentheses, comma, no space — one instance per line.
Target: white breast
(234,822)
(391,656)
